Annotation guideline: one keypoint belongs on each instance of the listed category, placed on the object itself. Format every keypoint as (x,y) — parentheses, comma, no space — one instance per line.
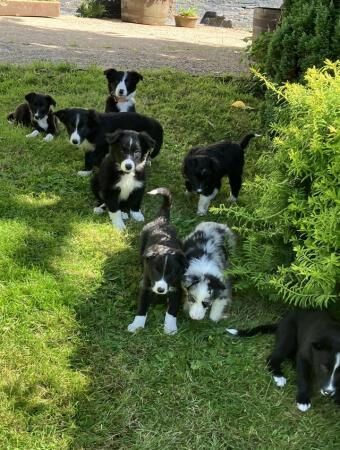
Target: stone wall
(240,12)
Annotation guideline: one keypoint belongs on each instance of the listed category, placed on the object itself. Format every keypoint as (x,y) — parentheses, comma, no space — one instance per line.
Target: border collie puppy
(163,266)
(120,182)
(206,284)
(87,128)
(312,338)
(122,89)
(204,167)
(36,113)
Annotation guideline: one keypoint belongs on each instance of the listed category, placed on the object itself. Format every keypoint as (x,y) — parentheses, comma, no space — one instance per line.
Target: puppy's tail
(262,329)
(166,205)
(246,139)
(11,118)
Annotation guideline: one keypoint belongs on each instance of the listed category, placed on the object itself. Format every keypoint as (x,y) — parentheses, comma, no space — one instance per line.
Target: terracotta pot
(147,12)
(29,8)
(186,21)
(265,19)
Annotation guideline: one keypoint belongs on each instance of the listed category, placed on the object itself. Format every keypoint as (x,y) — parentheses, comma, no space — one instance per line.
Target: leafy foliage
(91,8)
(289,223)
(308,34)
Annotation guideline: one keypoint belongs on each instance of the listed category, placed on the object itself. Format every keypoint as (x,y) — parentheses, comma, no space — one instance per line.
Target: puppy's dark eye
(205,304)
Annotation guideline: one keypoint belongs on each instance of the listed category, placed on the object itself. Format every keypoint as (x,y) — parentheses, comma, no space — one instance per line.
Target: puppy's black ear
(146,141)
(92,118)
(322,344)
(110,74)
(111,138)
(51,100)
(137,76)
(30,97)
(190,281)
(215,283)
(62,114)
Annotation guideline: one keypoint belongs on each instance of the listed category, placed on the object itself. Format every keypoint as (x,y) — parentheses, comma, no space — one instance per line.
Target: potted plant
(186,17)
(147,12)
(29,8)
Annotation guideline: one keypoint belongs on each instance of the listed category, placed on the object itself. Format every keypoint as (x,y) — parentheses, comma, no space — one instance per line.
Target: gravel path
(115,43)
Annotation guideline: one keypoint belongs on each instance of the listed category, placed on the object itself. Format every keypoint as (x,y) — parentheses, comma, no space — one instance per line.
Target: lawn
(72,377)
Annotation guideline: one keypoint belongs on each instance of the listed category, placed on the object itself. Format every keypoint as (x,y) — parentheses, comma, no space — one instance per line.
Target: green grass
(71,375)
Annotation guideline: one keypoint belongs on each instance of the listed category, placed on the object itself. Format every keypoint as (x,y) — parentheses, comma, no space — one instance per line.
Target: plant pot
(186,21)
(147,12)
(265,19)
(29,8)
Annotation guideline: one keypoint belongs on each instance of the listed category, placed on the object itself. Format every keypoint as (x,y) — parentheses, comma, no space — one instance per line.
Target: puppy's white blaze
(49,137)
(75,138)
(330,387)
(33,134)
(160,284)
(303,407)
(127,184)
(127,162)
(232,331)
(137,216)
(84,173)
(280,381)
(116,219)
(43,123)
(138,322)
(170,324)
(121,86)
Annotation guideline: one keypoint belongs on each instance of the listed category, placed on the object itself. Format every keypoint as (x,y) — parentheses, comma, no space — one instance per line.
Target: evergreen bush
(290,221)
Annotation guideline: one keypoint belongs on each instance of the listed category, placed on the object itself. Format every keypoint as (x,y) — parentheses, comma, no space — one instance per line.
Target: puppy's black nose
(128,166)
(160,289)
(74,141)
(121,91)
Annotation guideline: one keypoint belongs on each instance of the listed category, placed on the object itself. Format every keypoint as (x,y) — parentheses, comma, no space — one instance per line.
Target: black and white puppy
(312,339)
(163,266)
(207,286)
(122,90)
(88,128)
(36,113)
(120,182)
(204,167)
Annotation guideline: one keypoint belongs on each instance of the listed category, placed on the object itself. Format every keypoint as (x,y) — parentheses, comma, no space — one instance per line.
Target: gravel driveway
(115,43)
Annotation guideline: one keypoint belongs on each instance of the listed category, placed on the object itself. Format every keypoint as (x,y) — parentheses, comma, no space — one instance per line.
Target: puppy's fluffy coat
(204,167)
(163,266)
(36,113)
(312,340)
(120,182)
(206,284)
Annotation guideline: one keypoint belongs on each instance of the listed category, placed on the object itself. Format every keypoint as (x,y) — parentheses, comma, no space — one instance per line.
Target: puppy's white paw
(84,173)
(170,324)
(125,215)
(232,331)
(137,216)
(280,381)
(138,322)
(33,134)
(49,137)
(303,407)
(201,212)
(98,210)
(117,221)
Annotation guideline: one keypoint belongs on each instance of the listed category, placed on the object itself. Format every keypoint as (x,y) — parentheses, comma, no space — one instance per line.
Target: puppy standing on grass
(163,266)
(120,182)
(204,168)
(205,281)
(36,113)
(122,89)
(312,339)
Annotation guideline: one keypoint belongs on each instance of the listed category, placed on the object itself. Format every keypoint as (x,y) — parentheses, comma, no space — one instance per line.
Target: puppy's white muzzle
(160,287)
(75,138)
(127,165)
(197,311)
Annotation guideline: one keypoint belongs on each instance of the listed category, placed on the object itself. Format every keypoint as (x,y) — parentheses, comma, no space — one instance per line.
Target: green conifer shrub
(289,223)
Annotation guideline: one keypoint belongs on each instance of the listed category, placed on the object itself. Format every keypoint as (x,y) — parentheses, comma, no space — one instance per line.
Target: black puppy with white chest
(36,113)
(120,182)
(163,266)
(122,90)
(312,340)
(204,167)
(88,128)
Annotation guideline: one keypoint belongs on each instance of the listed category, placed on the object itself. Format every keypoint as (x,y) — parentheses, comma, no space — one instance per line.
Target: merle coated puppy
(36,113)
(163,266)
(122,90)
(312,339)
(87,128)
(207,286)
(120,182)
(204,167)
